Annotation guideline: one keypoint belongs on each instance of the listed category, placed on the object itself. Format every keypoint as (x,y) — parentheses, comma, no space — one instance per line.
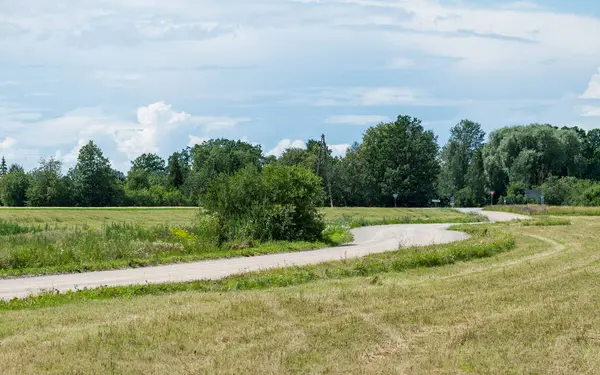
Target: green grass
(366,216)
(535,210)
(485,242)
(96,217)
(117,246)
(8,228)
(530,310)
(49,241)
(69,217)
(546,222)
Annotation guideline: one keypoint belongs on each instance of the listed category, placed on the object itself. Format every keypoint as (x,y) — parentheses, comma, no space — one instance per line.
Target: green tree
(351,183)
(13,187)
(93,181)
(526,156)
(215,157)
(147,170)
(16,168)
(3,167)
(150,163)
(47,185)
(298,157)
(400,158)
(175,172)
(457,156)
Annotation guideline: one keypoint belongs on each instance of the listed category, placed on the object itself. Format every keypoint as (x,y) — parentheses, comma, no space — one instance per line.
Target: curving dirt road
(368,240)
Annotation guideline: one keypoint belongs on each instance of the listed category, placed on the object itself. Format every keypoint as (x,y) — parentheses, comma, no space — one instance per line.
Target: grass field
(48,241)
(96,217)
(531,309)
(534,209)
(364,216)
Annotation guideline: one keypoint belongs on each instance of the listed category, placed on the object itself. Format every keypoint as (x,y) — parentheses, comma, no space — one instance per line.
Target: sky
(139,76)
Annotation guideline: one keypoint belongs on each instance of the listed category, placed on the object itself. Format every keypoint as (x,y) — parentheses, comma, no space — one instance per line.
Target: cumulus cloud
(593,89)
(285,144)
(357,119)
(339,150)
(152,131)
(155,120)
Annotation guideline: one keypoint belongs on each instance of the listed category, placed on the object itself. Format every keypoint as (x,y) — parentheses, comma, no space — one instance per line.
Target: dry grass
(530,310)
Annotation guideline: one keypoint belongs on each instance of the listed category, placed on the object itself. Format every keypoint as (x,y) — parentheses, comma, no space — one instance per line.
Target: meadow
(514,298)
(49,241)
(537,209)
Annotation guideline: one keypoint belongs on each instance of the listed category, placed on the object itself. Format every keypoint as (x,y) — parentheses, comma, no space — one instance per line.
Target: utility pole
(322,157)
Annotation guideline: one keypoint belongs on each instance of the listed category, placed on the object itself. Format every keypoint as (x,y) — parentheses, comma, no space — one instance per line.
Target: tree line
(398,157)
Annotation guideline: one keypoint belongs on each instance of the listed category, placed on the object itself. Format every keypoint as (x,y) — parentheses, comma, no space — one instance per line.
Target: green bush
(279,203)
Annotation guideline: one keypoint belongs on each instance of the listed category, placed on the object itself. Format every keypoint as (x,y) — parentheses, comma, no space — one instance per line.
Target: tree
(149,163)
(526,156)
(3,167)
(47,185)
(400,157)
(16,168)
(466,140)
(215,157)
(350,186)
(93,181)
(298,157)
(13,188)
(175,172)
(147,170)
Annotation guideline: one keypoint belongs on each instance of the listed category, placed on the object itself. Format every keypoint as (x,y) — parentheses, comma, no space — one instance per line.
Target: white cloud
(357,119)
(71,157)
(284,144)
(593,89)
(339,150)
(109,56)
(589,111)
(156,124)
(195,140)
(7,143)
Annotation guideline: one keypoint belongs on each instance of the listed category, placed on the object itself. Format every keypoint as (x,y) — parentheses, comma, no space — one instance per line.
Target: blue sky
(154,76)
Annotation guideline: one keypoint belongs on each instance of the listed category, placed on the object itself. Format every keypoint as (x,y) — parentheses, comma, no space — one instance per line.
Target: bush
(281,203)
(155,196)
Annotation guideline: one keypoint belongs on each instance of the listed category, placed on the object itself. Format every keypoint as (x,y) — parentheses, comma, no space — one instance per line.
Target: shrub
(281,203)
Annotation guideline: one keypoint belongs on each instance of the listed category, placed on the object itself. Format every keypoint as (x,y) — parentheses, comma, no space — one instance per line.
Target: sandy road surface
(368,240)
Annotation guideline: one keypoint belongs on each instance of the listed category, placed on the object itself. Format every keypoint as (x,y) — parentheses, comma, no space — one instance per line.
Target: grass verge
(485,241)
(120,246)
